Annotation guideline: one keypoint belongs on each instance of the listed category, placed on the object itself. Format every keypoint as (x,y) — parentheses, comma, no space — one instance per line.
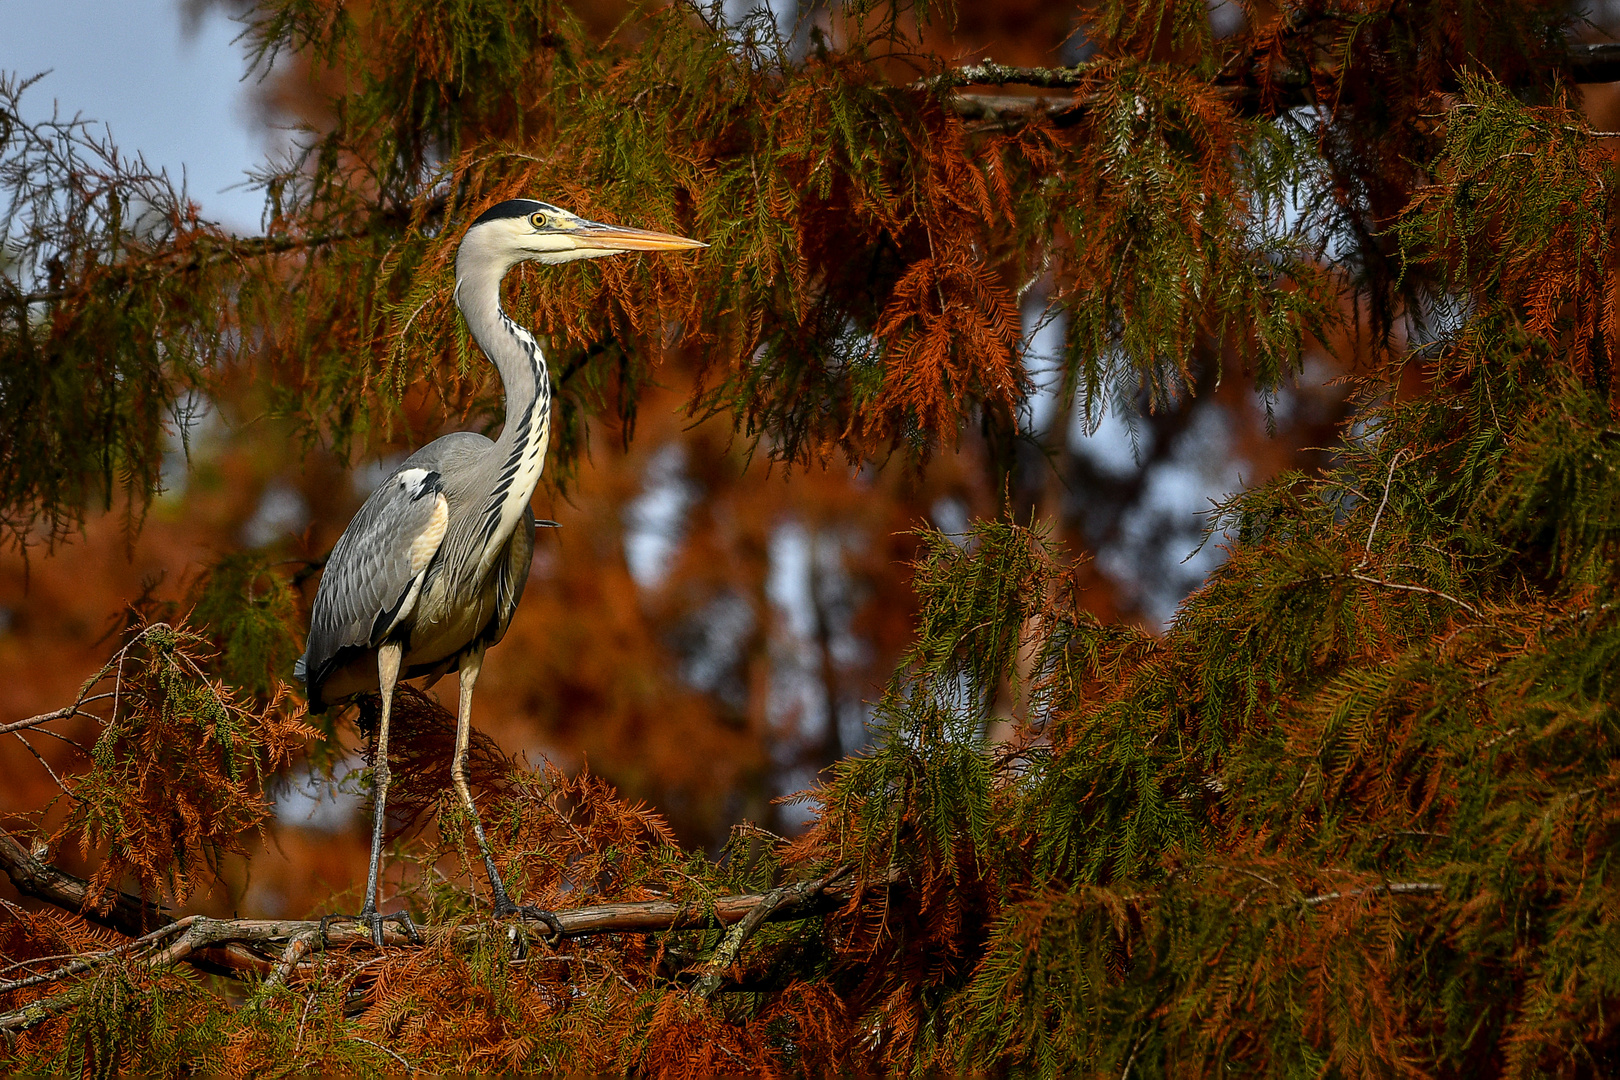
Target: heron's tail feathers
(311,693)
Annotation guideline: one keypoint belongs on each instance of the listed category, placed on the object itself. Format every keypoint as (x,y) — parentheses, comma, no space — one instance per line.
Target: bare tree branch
(298,948)
(989,73)
(1587,64)
(223,943)
(37,1012)
(235,947)
(1595,63)
(409,1068)
(79,964)
(129,915)
(59,714)
(208,253)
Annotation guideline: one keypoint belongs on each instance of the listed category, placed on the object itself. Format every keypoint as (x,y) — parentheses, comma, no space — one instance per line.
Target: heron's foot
(374,921)
(506,909)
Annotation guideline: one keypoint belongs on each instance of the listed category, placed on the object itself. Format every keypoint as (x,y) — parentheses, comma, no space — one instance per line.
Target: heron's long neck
(520,452)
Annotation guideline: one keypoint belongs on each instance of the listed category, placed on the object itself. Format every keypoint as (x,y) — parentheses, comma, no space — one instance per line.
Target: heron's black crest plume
(513,208)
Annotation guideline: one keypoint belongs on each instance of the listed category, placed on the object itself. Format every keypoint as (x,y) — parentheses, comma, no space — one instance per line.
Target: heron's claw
(406,923)
(373,920)
(506,909)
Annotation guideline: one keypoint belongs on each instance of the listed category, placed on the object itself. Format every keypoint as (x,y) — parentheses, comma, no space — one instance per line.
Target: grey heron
(428,574)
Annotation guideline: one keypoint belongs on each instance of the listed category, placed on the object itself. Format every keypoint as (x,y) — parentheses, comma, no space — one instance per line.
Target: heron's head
(523,230)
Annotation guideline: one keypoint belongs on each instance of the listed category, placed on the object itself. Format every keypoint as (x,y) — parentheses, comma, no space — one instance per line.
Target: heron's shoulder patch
(416,483)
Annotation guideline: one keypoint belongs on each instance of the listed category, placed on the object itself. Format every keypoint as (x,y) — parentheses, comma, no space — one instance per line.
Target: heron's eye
(539,219)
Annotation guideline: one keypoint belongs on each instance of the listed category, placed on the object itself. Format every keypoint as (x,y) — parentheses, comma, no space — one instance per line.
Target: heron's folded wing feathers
(376,562)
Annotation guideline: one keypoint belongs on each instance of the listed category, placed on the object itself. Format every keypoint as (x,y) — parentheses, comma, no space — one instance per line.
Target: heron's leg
(471,664)
(388,662)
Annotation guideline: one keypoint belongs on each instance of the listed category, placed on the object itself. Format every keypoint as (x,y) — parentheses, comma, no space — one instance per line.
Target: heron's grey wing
(375,571)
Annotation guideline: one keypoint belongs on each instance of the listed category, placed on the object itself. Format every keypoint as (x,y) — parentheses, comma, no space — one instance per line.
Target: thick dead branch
(989,73)
(1586,64)
(1017,108)
(293,955)
(1595,63)
(37,1012)
(129,915)
(275,948)
(38,879)
(217,943)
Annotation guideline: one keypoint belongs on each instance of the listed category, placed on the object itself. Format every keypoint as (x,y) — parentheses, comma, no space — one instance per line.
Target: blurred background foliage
(903,321)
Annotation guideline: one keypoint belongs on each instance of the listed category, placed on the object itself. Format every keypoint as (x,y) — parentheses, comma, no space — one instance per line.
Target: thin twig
(1399,888)
(207,253)
(408,1066)
(303,1018)
(1251,874)
(1367,552)
(1125,1073)
(59,737)
(30,962)
(41,758)
(1465,605)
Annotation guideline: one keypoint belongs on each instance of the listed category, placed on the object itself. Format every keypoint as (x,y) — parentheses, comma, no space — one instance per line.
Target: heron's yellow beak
(594,235)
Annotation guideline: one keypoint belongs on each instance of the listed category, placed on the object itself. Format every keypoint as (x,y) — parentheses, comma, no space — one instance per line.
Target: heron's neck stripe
(521,468)
(526,436)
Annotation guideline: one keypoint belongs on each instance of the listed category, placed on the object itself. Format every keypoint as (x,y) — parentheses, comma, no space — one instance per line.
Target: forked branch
(792,896)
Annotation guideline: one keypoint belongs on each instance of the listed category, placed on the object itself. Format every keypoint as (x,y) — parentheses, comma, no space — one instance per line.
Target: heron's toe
(374,921)
(530,911)
(407,924)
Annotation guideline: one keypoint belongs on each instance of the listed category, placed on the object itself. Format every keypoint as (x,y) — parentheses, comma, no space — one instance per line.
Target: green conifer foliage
(1350,812)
